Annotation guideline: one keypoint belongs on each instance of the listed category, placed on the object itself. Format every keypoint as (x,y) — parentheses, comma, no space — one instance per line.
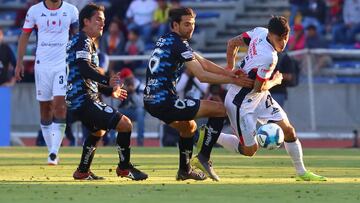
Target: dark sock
(212,133)
(123,148)
(88,153)
(185,150)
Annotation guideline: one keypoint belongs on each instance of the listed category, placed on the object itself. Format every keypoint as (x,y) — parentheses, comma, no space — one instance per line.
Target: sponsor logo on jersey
(64,14)
(42,15)
(187,54)
(274,111)
(83,55)
(53,14)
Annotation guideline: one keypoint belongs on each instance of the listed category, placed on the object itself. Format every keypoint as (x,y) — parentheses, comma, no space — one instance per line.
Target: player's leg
(294,149)
(59,109)
(83,171)
(186,130)
(44,96)
(244,127)
(125,167)
(209,134)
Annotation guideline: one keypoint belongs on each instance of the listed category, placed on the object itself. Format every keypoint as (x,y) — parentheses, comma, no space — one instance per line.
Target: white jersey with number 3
(52,31)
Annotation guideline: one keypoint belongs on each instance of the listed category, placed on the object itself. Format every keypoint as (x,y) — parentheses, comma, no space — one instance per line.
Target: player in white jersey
(53,20)
(246,106)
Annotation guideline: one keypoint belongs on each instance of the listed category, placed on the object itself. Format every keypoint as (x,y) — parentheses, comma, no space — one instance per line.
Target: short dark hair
(87,12)
(279,26)
(176,14)
(311,27)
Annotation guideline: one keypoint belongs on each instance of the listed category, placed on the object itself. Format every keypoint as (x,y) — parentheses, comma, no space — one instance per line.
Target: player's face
(279,42)
(96,24)
(186,27)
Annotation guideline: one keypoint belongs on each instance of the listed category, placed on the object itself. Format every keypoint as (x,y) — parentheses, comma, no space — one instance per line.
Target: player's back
(52,26)
(164,68)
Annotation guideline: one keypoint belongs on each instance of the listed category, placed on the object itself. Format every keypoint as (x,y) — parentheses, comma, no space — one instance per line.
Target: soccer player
(82,97)
(52,20)
(161,100)
(246,106)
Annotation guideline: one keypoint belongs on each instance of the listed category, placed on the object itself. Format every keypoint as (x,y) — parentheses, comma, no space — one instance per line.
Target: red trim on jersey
(27,30)
(245,35)
(260,78)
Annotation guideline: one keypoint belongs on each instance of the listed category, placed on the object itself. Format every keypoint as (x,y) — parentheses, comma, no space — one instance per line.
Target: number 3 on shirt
(155,60)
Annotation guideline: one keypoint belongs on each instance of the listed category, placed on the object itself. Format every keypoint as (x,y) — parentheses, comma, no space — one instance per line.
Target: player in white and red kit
(53,20)
(246,106)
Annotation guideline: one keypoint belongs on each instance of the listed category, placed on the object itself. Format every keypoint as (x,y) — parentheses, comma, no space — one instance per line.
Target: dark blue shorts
(177,110)
(96,115)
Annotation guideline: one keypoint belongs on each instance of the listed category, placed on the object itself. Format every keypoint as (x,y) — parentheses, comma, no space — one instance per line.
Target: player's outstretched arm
(232,49)
(195,67)
(211,66)
(23,41)
(260,86)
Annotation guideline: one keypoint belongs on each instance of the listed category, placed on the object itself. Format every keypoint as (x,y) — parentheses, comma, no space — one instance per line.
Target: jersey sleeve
(74,18)
(183,51)
(254,32)
(265,69)
(30,22)
(83,50)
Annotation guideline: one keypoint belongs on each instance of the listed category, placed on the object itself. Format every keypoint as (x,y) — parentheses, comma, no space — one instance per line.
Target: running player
(172,51)
(82,97)
(246,106)
(52,20)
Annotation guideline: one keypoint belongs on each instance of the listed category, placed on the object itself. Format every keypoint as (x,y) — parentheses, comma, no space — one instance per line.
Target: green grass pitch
(267,177)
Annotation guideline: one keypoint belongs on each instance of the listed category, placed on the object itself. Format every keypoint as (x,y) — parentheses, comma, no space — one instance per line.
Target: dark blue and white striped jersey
(84,80)
(165,67)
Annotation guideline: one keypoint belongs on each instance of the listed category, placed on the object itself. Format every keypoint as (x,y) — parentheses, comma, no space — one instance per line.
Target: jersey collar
(50,8)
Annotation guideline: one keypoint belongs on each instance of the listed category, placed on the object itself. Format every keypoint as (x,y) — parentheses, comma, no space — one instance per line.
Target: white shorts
(256,107)
(49,82)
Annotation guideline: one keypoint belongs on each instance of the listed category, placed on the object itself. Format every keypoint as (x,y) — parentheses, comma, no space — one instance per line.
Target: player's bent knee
(289,133)
(124,125)
(99,133)
(250,151)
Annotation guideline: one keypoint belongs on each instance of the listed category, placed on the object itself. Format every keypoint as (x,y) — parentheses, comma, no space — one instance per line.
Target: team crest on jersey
(108,109)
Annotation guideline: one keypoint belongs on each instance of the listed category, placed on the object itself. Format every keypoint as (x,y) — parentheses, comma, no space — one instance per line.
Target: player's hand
(115,80)
(119,93)
(19,71)
(278,77)
(241,79)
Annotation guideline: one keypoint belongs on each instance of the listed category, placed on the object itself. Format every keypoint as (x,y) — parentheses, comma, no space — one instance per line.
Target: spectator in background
(314,13)
(297,39)
(134,46)
(160,19)
(295,10)
(346,33)
(313,41)
(113,43)
(7,63)
(139,16)
(175,4)
(334,14)
(287,67)
(133,106)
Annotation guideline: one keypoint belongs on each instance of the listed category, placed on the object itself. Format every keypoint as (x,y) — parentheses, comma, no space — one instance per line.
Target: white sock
(58,131)
(229,142)
(47,134)
(294,149)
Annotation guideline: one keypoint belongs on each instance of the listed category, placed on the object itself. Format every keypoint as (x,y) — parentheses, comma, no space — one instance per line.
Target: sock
(185,152)
(123,148)
(294,149)
(58,128)
(229,141)
(46,129)
(88,153)
(212,131)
